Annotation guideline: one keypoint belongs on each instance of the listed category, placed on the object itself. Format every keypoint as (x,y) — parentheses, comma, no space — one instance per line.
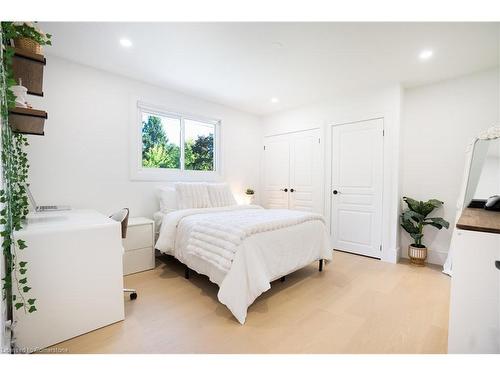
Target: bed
(241,248)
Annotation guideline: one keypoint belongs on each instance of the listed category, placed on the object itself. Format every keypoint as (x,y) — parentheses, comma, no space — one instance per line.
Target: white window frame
(140,173)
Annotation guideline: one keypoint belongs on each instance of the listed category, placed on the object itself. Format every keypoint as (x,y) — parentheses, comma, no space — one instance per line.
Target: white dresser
(474,325)
(139,252)
(75,271)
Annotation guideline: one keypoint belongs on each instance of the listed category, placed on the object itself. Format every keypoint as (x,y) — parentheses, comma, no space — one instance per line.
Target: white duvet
(243,248)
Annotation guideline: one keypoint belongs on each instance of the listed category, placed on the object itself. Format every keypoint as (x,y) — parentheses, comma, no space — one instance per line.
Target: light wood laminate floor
(356,305)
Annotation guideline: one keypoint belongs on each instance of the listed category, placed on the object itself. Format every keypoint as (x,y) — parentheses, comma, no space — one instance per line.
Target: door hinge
(383,133)
(264,148)
(380,247)
(319,140)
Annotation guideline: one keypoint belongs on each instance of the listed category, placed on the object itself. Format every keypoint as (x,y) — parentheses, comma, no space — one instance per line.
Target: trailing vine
(15,167)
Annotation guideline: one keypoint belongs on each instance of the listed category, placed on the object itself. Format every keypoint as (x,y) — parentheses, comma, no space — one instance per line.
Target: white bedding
(275,243)
(157,218)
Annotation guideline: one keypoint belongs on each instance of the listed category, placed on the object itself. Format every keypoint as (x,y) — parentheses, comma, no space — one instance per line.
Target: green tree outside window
(159,152)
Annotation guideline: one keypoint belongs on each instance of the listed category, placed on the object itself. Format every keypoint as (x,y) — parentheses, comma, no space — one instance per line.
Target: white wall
(439,121)
(83,159)
(375,103)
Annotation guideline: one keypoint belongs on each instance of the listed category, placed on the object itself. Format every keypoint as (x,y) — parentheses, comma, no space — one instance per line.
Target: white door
(276,171)
(306,171)
(357,183)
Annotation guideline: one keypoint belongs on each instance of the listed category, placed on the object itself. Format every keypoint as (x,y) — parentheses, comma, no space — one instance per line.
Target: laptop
(44,208)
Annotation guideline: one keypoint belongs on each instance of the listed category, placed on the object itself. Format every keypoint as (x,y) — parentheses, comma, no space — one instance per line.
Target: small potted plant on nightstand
(250,194)
(413,220)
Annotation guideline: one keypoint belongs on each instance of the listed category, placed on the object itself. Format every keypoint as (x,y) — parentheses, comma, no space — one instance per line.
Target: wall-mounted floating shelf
(27,120)
(28,67)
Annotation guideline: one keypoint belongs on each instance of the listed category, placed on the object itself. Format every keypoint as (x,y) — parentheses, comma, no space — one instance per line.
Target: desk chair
(122,217)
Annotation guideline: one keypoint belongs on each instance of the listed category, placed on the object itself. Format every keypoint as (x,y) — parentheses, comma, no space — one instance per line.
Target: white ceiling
(243,65)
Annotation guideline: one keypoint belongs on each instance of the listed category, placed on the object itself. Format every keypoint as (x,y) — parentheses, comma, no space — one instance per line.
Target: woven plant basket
(28,45)
(417,255)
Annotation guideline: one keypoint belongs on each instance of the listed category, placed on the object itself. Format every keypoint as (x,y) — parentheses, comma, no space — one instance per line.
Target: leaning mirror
(484,174)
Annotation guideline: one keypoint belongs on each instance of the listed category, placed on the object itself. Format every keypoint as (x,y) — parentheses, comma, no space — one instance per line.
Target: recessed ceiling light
(125,42)
(426,54)
(274,100)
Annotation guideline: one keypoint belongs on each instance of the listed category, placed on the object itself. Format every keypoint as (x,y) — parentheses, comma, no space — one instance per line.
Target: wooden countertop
(479,220)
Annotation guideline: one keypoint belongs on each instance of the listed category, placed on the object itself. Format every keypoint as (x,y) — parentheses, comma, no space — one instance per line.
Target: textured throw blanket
(217,240)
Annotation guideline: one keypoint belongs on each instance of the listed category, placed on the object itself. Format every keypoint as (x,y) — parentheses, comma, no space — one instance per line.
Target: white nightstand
(139,246)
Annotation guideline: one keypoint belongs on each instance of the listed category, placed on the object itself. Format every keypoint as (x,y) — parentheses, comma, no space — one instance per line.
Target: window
(161,141)
(198,145)
(174,145)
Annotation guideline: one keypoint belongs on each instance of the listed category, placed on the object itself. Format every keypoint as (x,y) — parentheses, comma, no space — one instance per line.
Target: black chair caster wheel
(133,296)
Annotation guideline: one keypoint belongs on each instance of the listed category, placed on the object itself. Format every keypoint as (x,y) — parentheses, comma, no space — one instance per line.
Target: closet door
(276,171)
(306,171)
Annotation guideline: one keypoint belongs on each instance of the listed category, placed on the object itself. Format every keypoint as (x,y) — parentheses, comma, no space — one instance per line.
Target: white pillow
(192,195)
(168,199)
(220,195)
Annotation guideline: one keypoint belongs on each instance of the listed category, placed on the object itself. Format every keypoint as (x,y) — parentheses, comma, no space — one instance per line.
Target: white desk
(75,271)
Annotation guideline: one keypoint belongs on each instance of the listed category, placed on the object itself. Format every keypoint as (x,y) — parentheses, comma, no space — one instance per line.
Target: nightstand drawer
(138,260)
(138,237)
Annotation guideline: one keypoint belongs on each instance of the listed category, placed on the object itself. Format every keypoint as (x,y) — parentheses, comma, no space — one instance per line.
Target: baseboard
(391,255)
(433,256)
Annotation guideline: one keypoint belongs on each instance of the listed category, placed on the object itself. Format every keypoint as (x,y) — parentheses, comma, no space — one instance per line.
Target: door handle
(497,264)
(285,190)
(291,190)
(336,192)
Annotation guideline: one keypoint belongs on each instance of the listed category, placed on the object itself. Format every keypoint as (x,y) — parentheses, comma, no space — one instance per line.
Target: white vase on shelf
(21,94)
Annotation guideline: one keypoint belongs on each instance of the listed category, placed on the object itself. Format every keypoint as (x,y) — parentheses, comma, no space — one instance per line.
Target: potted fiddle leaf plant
(414,219)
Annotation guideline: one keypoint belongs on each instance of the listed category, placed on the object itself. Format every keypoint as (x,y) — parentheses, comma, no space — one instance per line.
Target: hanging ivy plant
(15,167)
